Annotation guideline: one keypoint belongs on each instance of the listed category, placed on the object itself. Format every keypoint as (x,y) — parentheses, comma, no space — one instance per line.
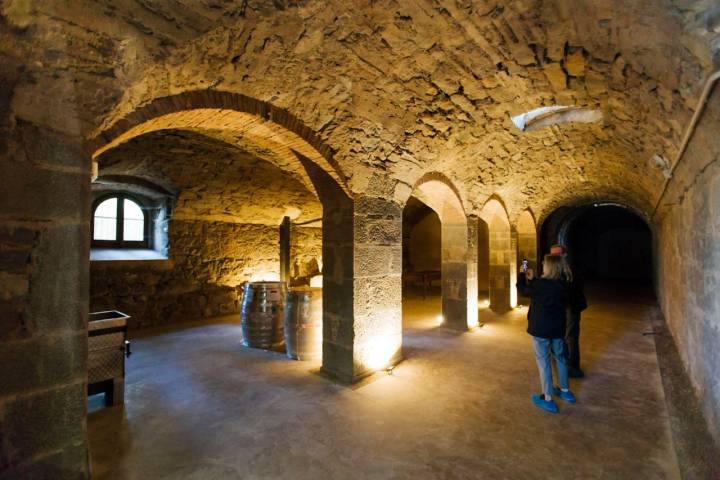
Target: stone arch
(276,134)
(502,256)
(527,241)
(458,275)
(278,137)
(555,226)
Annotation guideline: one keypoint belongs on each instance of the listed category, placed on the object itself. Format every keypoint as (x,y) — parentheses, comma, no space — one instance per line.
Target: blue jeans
(543,348)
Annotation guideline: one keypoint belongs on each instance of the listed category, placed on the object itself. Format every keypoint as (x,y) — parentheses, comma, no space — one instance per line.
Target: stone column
(501,259)
(472,271)
(454,275)
(44,258)
(285,232)
(513,269)
(527,249)
(362,268)
(377,323)
(362,280)
(338,277)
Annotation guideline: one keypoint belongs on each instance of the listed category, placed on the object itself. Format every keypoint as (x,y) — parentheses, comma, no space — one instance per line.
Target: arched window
(119,221)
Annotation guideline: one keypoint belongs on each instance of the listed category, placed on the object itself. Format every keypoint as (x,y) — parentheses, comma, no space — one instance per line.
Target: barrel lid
(268,283)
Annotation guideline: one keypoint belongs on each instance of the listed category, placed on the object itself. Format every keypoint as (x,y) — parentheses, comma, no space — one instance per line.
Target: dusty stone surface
(453,396)
(510,58)
(688,260)
(208,265)
(214,180)
(376,95)
(227,201)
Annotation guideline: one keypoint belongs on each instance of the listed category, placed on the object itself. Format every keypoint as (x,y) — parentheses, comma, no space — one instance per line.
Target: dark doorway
(606,242)
(421,266)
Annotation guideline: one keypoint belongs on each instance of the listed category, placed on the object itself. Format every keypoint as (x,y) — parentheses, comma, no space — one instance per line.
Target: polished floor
(199,406)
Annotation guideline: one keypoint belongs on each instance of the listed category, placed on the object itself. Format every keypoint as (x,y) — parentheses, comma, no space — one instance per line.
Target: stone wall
(305,254)
(688,261)
(424,244)
(44,244)
(207,266)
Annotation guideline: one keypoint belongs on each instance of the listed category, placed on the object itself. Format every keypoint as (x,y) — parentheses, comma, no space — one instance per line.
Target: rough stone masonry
(352,104)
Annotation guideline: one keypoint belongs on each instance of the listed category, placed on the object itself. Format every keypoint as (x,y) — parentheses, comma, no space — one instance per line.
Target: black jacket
(578,302)
(549,302)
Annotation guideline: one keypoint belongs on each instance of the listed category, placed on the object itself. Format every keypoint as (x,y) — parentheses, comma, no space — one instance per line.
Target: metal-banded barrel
(261,314)
(303,324)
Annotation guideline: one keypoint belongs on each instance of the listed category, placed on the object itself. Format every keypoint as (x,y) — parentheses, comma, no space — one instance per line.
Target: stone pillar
(472,271)
(377,285)
(362,281)
(502,257)
(513,269)
(44,258)
(338,276)
(454,275)
(527,249)
(285,229)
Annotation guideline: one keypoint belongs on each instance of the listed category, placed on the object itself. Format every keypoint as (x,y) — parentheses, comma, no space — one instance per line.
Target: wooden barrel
(303,324)
(261,314)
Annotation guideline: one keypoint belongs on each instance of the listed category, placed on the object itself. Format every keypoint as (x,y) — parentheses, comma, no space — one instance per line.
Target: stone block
(43,362)
(377,260)
(455,313)
(58,413)
(377,296)
(556,76)
(47,147)
(377,231)
(55,194)
(337,362)
(575,63)
(377,208)
(59,282)
(70,463)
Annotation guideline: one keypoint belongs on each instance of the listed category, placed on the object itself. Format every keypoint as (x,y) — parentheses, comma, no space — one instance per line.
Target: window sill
(124,254)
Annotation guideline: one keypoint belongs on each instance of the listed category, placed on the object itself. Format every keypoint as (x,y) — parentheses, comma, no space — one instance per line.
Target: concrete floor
(200,406)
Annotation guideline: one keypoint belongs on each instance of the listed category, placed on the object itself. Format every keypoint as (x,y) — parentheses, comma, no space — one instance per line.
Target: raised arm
(525,286)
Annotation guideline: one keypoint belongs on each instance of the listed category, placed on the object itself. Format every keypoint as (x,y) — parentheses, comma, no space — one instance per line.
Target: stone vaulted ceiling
(400,88)
(215,180)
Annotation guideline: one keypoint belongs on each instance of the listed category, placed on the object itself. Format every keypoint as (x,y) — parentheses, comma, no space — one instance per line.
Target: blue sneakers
(547,405)
(566,396)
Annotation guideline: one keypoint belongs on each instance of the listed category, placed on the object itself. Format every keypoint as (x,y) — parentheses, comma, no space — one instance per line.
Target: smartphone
(524,266)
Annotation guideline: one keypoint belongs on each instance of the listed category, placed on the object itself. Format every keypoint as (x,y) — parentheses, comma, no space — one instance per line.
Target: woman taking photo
(546,323)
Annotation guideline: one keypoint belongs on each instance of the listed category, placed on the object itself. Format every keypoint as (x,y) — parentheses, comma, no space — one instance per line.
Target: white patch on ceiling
(555,115)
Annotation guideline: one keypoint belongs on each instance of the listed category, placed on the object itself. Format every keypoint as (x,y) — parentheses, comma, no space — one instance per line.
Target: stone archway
(276,134)
(527,242)
(502,257)
(278,137)
(458,251)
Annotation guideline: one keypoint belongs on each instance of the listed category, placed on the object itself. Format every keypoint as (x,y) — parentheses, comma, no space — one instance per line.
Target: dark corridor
(605,242)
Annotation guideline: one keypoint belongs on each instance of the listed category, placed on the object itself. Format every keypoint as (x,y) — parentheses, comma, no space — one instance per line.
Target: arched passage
(483,263)
(458,276)
(606,242)
(502,257)
(355,341)
(271,132)
(526,242)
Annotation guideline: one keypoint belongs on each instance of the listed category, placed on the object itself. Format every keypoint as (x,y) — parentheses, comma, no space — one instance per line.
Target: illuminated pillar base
(472,272)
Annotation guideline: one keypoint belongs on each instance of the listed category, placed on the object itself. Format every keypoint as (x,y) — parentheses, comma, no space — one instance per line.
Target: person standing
(576,304)
(549,296)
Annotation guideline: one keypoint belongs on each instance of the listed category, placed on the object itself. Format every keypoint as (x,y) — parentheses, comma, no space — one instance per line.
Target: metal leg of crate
(115,394)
